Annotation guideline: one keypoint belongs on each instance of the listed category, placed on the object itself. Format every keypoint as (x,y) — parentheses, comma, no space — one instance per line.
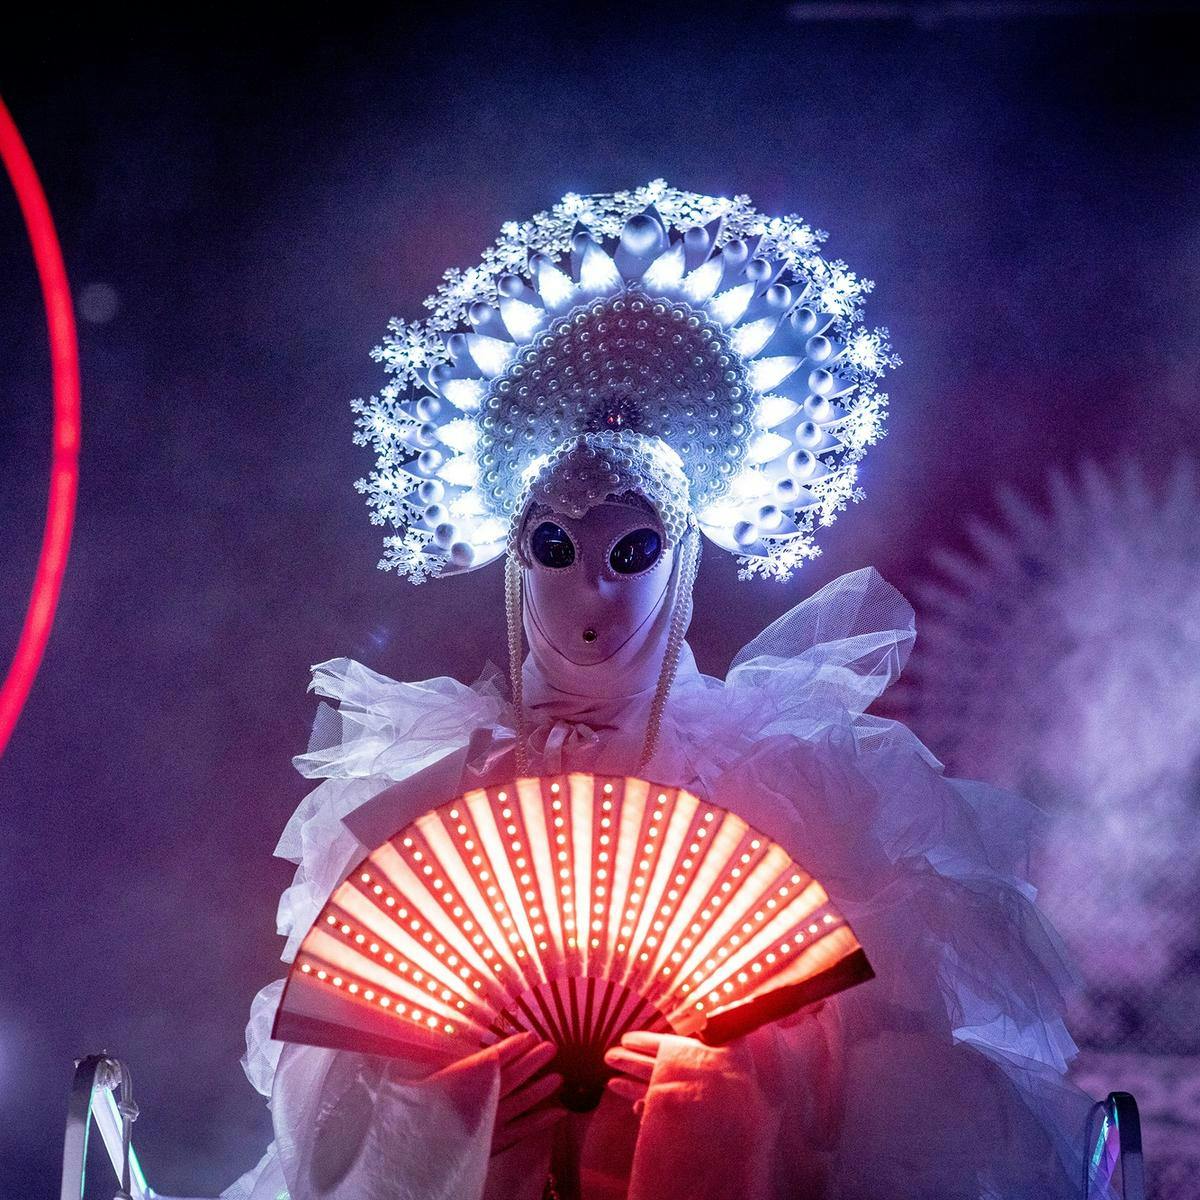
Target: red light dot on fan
(365,877)
(345,928)
(306,968)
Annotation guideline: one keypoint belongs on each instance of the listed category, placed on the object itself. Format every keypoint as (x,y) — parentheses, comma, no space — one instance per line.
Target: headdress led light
(655,314)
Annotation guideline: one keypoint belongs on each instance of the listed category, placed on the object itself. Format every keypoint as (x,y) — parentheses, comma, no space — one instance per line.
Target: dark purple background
(262,196)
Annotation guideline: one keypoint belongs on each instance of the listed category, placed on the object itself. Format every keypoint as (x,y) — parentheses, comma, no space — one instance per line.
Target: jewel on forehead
(621,412)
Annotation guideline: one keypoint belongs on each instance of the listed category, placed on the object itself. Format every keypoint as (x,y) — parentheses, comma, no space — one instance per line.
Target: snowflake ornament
(661,313)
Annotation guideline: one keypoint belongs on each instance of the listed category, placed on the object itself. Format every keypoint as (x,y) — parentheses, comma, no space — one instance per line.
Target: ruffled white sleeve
(951,1061)
(372,746)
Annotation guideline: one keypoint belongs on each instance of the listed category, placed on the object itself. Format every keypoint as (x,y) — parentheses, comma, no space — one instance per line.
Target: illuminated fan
(577,906)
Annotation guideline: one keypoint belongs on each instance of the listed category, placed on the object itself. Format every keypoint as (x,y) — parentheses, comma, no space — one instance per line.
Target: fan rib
(577,907)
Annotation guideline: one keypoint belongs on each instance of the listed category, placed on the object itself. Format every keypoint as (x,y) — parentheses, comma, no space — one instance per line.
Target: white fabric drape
(943,1077)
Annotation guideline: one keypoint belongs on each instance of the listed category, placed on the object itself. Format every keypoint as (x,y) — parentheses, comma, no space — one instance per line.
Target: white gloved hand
(526,1105)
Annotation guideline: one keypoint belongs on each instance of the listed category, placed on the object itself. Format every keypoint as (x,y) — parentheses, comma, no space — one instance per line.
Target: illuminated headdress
(694,322)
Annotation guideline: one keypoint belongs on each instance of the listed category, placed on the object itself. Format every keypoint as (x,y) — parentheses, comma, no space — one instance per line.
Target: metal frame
(93,1098)
(1115,1142)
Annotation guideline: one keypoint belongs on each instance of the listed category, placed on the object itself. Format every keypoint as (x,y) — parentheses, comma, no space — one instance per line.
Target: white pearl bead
(745,533)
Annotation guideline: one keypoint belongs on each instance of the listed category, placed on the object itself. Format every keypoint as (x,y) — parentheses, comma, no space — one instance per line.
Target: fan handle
(740,1019)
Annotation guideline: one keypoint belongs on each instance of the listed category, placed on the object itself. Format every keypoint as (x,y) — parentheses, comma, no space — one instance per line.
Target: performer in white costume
(682,365)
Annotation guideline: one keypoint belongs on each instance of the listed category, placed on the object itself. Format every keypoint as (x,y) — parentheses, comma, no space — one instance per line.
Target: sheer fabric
(943,1077)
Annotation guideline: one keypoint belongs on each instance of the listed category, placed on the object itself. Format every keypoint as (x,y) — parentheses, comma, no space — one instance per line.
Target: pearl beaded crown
(689,332)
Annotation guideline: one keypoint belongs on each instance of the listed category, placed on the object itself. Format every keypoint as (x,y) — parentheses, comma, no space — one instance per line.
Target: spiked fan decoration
(579,907)
(690,318)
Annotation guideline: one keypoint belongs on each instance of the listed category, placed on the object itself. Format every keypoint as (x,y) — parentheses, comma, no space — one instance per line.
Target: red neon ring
(64,463)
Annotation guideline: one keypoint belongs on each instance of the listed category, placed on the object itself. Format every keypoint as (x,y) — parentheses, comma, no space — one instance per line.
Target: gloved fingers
(630,1062)
(628,1089)
(527,1064)
(527,1098)
(514,1046)
(525,1126)
(643,1042)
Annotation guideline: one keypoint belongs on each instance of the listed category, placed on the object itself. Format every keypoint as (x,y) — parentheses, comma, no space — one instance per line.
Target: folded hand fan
(579,907)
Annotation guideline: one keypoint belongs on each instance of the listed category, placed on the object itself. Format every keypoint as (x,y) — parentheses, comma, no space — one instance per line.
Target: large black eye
(636,552)
(551,545)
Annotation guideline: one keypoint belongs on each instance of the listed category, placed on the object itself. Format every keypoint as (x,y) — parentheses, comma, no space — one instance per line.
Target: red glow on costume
(576,907)
(64,466)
